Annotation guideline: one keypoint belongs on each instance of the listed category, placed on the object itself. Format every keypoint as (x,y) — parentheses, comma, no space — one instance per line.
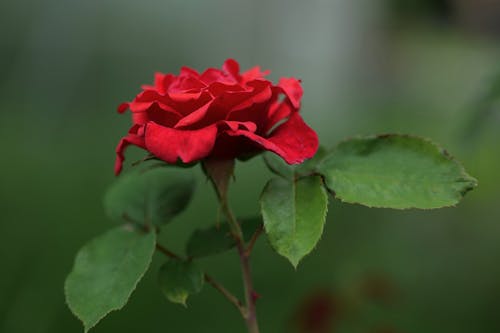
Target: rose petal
(277,112)
(236,125)
(168,108)
(220,88)
(171,144)
(194,116)
(260,93)
(232,67)
(187,71)
(212,75)
(165,83)
(140,106)
(294,141)
(189,105)
(292,89)
(229,147)
(183,96)
(123,107)
(131,139)
(159,113)
(254,73)
(143,101)
(262,90)
(159,78)
(185,85)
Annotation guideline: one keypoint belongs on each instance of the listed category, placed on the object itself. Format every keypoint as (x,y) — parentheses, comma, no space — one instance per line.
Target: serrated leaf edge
(463,173)
(295,263)
(89,327)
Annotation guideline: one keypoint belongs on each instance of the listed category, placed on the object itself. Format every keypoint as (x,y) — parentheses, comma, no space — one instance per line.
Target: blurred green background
(368,66)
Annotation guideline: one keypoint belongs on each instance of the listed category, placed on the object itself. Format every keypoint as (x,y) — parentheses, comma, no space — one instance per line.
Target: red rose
(219,114)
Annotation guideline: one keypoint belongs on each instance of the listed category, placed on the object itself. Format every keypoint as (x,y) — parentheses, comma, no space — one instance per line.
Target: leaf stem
(166,252)
(253,240)
(230,297)
(210,280)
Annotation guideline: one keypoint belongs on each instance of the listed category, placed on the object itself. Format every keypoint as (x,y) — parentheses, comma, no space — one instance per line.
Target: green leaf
(278,166)
(106,272)
(153,196)
(217,239)
(294,213)
(178,279)
(395,171)
(309,166)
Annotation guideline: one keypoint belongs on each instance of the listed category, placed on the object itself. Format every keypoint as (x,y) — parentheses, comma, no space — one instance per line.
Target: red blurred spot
(317,313)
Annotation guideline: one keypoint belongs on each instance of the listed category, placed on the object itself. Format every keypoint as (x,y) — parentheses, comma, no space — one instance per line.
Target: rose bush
(215,117)
(220,113)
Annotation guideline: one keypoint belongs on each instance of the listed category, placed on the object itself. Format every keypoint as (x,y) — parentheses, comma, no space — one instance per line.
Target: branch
(210,280)
(167,252)
(253,240)
(230,297)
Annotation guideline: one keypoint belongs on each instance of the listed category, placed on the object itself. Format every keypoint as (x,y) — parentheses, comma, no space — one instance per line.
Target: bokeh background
(368,66)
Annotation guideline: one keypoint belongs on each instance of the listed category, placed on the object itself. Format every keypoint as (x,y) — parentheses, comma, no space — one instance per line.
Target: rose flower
(220,113)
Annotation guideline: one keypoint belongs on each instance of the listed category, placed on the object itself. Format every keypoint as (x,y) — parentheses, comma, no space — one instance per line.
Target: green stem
(253,240)
(230,297)
(210,280)
(231,219)
(250,314)
(220,172)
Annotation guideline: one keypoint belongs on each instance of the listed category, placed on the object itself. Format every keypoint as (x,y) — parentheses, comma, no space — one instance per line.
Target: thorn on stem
(255,296)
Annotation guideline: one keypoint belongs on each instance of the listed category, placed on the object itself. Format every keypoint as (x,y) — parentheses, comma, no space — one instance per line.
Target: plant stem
(210,280)
(253,240)
(250,314)
(220,172)
(166,251)
(230,297)
(233,223)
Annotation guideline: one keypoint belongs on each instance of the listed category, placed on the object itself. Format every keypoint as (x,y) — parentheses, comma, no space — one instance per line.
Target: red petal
(194,116)
(187,71)
(254,73)
(232,67)
(163,82)
(123,107)
(183,96)
(261,93)
(159,77)
(220,88)
(140,106)
(277,112)
(159,113)
(292,89)
(212,75)
(236,125)
(170,144)
(143,100)
(186,84)
(130,139)
(294,141)
(262,90)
